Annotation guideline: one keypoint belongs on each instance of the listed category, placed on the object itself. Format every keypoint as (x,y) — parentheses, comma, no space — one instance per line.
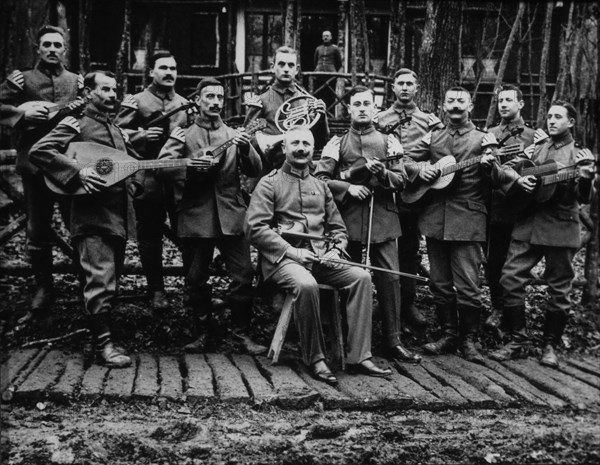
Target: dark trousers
(198,255)
(499,236)
(39,205)
(454,272)
(408,254)
(304,286)
(384,255)
(101,259)
(559,274)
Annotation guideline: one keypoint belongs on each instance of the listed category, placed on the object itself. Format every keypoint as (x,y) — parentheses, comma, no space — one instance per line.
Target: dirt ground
(164,434)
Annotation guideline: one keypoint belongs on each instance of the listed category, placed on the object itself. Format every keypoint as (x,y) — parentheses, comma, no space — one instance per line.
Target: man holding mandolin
(138,116)
(211,210)
(32,102)
(550,231)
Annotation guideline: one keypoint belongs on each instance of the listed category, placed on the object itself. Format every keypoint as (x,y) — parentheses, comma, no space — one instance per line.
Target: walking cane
(369,230)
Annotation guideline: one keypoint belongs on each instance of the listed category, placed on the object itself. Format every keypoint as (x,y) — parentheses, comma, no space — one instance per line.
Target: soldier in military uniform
(405,87)
(99,220)
(551,231)
(327,58)
(151,206)
(211,210)
(292,195)
(50,82)
(265,105)
(364,144)
(453,221)
(501,219)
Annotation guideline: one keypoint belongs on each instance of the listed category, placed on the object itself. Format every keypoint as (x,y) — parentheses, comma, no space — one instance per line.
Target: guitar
(448,167)
(160,119)
(114,165)
(53,109)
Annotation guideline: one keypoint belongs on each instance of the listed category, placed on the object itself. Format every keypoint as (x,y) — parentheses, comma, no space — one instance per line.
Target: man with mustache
(291,195)
(367,205)
(48,81)
(210,213)
(327,58)
(552,232)
(405,87)
(152,205)
(501,219)
(265,105)
(99,220)
(453,222)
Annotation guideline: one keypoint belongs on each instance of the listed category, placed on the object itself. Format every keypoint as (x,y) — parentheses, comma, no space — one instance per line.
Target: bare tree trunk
(123,54)
(342,17)
(291,36)
(438,61)
(85,9)
(566,42)
(149,45)
(590,291)
(541,115)
(504,61)
(398,30)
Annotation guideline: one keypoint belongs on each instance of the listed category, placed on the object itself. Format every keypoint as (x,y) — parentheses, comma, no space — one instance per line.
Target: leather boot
(41,264)
(198,345)
(554,327)
(469,328)
(201,307)
(151,258)
(411,314)
(517,347)
(494,320)
(449,323)
(241,316)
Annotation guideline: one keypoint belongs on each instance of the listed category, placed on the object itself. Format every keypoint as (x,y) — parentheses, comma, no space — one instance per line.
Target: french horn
(300,110)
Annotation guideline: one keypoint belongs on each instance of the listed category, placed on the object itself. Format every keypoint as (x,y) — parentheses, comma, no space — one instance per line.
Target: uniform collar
(291,89)
(460,129)
(362,131)
(210,124)
(50,70)
(510,125)
(93,112)
(160,93)
(563,140)
(408,109)
(297,173)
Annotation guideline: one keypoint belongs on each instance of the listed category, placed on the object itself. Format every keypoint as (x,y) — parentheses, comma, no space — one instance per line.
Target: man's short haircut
(459,89)
(571,111)
(506,87)
(297,127)
(359,90)
(402,71)
(90,78)
(206,82)
(157,56)
(284,49)
(48,29)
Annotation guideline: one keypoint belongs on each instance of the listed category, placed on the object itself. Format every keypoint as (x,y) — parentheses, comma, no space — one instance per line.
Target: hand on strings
(154,133)
(429,174)
(242,139)
(527,183)
(201,164)
(303,256)
(90,179)
(376,167)
(329,259)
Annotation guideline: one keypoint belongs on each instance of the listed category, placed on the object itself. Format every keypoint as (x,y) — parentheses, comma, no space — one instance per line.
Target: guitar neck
(504,151)
(559,177)
(541,170)
(154,164)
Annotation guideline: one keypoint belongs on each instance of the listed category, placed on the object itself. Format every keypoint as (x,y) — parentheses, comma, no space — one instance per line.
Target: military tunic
(291,195)
(357,145)
(454,219)
(552,231)
(99,222)
(266,105)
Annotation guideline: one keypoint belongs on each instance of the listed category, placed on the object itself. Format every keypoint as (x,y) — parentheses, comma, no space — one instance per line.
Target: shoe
(494,321)
(198,346)
(159,300)
(111,357)
(549,357)
(402,354)
(414,316)
(444,345)
(470,352)
(321,372)
(367,367)
(251,347)
(510,351)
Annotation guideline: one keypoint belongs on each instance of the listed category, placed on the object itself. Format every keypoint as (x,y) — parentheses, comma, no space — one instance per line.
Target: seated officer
(292,195)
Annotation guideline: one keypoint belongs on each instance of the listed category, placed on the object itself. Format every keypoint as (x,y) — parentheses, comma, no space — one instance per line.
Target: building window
(205,27)
(263,37)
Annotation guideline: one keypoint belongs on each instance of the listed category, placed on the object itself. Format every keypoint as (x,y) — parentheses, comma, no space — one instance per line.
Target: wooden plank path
(442,382)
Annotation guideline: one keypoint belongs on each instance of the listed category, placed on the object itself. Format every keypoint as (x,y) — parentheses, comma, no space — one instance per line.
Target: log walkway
(442,382)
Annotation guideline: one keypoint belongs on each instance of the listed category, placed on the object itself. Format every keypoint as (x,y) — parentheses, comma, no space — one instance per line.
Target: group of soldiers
(309,220)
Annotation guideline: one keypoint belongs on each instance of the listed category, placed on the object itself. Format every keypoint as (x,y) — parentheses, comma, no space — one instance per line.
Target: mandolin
(448,167)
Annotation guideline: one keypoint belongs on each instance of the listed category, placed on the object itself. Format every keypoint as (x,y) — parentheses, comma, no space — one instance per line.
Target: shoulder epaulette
(272,173)
(484,130)
(427,138)
(71,122)
(130,102)
(253,100)
(124,134)
(17,79)
(80,83)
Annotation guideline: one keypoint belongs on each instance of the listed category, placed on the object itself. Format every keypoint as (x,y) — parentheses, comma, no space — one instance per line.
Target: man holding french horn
(285,104)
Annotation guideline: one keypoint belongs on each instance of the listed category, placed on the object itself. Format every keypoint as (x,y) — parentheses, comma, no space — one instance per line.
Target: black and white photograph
(299,232)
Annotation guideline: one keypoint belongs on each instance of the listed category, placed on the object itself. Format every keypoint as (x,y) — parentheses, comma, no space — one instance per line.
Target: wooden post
(566,41)
(85,9)
(504,62)
(590,290)
(541,115)
(122,62)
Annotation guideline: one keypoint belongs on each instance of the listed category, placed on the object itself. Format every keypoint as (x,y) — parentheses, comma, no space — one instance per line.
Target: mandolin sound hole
(104,166)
